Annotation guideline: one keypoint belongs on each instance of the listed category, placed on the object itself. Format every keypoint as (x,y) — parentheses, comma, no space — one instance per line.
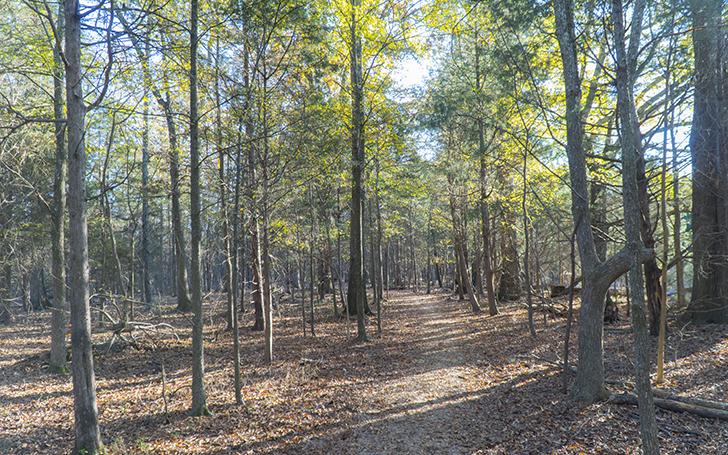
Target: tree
(199,402)
(709,151)
(88,438)
(184,303)
(631,141)
(57,362)
(356,297)
(597,275)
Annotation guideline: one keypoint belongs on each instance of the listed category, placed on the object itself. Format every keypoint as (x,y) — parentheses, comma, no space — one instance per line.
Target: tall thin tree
(199,401)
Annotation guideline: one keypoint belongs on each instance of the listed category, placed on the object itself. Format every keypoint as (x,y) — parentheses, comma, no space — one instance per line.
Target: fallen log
(672,405)
(690,400)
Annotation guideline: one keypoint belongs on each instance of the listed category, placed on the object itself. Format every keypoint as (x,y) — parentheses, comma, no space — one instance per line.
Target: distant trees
(317,160)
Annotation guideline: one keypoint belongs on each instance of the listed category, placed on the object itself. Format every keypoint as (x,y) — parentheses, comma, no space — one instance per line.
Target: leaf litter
(437,380)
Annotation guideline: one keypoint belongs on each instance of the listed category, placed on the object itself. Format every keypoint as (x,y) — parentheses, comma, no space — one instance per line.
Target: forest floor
(438,380)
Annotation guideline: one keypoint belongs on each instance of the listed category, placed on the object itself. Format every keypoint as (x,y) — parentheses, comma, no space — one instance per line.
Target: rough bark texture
(88,438)
(597,275)
(356,298)
(633,215)
(57,362)
(199,401)
(709,302)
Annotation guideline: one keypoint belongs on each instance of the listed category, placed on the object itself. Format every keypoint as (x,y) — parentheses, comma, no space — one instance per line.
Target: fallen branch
(690,400)
(672,405)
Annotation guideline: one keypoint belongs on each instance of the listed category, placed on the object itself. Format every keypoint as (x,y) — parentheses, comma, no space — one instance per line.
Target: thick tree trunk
(356,298)
(597,275)
(88,438)
(708,145)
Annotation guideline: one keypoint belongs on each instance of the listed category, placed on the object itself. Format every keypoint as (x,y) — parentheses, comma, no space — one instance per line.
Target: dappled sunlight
(437,379)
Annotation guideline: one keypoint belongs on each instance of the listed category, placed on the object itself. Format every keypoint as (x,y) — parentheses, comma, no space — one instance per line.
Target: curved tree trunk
(597,275)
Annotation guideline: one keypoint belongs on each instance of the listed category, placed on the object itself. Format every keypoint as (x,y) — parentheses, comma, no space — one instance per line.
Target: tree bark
(199,400)
(708,146)
(632,161)
(673,405)
(146,281)
(459,245)
(88,438)
(57,363)
(597,275)
(356,298)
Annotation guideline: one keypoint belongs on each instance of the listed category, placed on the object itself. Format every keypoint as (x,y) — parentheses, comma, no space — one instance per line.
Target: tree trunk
(632,161)
(484,209)
(6,303)
(235,281)
(459,245)
(597,275)
(57,362)
(527,249)
(88,438)
(510,279)
(677,229)
(146,282)
(199,400)
(709,302)
(356,298)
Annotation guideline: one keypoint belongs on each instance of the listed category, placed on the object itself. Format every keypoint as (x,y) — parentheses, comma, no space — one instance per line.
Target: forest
(363,226)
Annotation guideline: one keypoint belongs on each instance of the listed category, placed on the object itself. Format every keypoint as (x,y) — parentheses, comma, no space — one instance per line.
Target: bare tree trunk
(88,437)
(199,400)
(311,245)
(57,363)
(235,277)
(708,147)
(459,244)
(146,282)
(597,275)
(229,276)
(356,299)
(527,249)
(6,304)
(677,228)
(632,160)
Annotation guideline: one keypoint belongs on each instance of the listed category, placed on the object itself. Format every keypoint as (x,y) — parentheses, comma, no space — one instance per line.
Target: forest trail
(437,380)
(428,407)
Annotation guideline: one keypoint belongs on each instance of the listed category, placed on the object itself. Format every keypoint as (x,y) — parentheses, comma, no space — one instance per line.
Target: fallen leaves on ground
(438,379)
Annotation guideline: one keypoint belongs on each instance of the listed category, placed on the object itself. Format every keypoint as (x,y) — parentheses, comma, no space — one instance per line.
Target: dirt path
(438,380)
(426,406)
